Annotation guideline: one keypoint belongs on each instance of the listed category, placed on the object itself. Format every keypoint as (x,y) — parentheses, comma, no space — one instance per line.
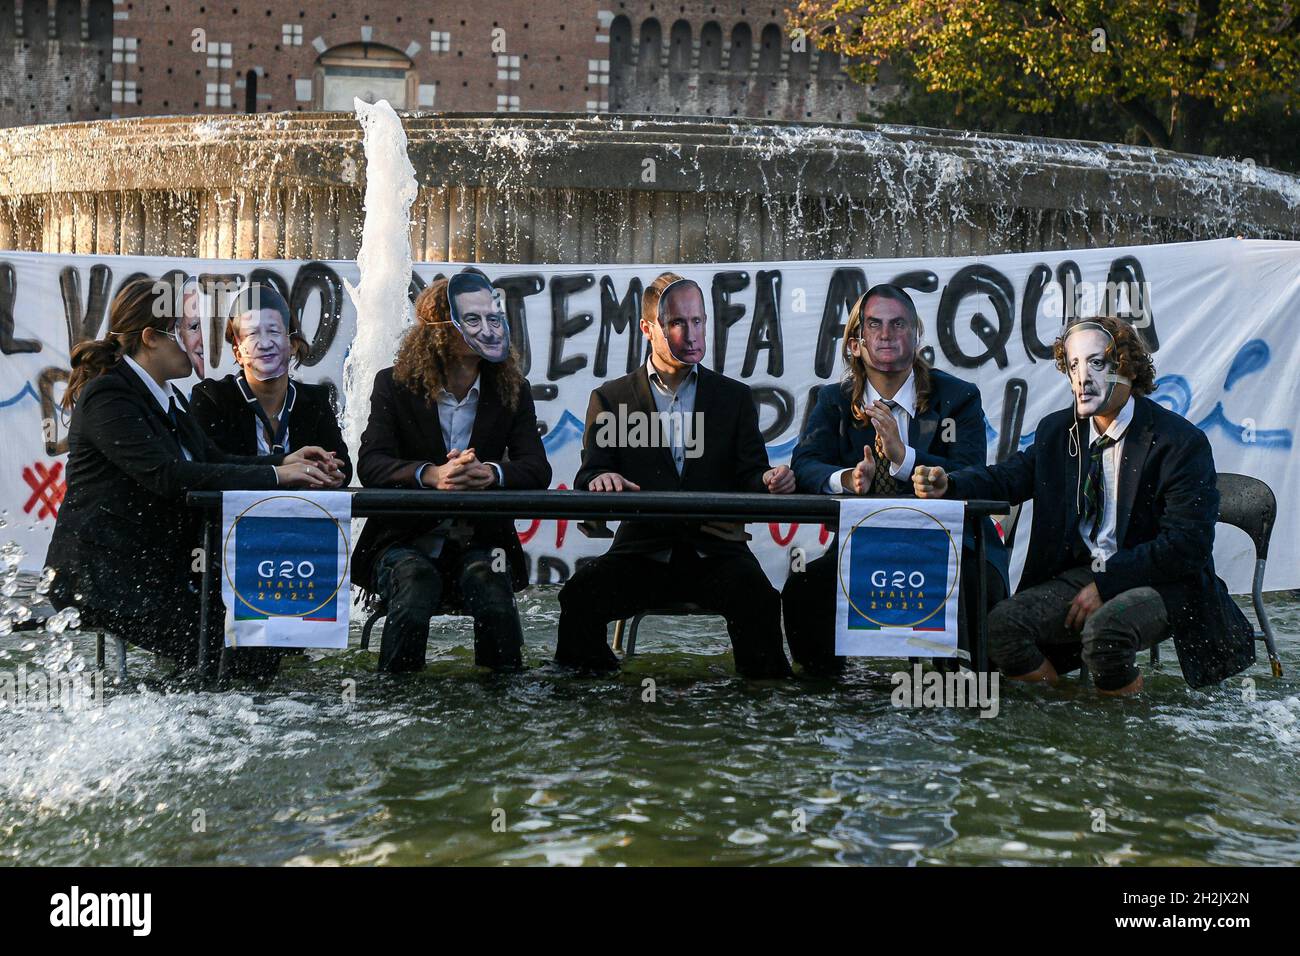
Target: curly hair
(1127,351)
(423,358)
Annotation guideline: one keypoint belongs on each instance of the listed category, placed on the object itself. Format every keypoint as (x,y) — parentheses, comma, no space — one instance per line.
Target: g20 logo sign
(286,556)
(899,580)
(303,571)
(898,576)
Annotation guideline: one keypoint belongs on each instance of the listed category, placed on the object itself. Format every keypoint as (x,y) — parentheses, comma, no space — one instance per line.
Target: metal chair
(121,654)
(1249,504)
(380,609)
(622,631)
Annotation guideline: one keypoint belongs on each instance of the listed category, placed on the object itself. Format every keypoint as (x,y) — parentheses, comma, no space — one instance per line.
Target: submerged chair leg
(121,659)
(1155,655)
(99,651)
(631,634)
(370,626)
(1257,598)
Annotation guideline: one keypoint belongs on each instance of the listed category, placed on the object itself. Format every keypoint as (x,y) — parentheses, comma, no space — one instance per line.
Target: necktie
(882,483)
(1093,486)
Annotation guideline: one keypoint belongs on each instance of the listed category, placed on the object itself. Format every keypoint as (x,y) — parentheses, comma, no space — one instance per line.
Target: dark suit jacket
(833,440)
(223,411)
(404,433)
(124,537)
(733,457)
(1167,508)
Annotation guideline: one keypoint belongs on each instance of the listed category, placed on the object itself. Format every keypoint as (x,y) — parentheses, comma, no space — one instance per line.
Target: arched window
(620,43)
(101,23)
(742,48)
(769,55)
(828,64)
(8,23)
(679,47)
(710,48)
(368,71)
(250,91)
(36,21)
(67,17)
(651,47)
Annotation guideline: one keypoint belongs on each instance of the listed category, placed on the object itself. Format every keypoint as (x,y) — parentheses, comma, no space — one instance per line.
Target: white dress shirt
(160,395)
(904,411)
(1106,545)
(678,405)
(456,419)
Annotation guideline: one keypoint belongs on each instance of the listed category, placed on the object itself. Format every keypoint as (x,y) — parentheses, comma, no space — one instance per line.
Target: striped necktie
(1094,486)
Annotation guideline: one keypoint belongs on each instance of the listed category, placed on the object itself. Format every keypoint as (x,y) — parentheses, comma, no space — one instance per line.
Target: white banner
(285,571)
(1222,314)
(897,574)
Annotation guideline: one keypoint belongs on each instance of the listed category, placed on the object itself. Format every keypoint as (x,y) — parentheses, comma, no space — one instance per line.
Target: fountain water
(383,308)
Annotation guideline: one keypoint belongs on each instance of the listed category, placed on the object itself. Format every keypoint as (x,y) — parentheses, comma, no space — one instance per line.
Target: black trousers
(416,586)
(617,586)
(808,607)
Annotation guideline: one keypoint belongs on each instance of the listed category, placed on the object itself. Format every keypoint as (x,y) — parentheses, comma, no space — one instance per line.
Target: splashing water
(384,261)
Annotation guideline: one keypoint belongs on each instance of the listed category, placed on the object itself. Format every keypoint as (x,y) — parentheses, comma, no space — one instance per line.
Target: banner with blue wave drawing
(1218,317)
(285,576)
(899,565)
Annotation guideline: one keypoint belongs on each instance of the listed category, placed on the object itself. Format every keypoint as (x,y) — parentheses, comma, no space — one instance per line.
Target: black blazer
(834,440)
(226,414)
(404,432)
(124,537)
(1167,508)
(733,457)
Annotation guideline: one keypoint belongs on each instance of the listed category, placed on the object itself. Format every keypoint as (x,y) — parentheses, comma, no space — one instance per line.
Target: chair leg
(1084,677)
(1155,655)
(631,634)
(366,629)
(121,659)
(99,651)
(1257,598)
(619,626)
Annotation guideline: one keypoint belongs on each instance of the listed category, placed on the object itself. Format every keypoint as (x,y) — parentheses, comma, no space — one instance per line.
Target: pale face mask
(1093,376)
(479,315)
(263,345)
(188,330)
(683,329)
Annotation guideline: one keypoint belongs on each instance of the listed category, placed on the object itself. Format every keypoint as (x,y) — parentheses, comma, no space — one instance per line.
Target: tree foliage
(1180,71)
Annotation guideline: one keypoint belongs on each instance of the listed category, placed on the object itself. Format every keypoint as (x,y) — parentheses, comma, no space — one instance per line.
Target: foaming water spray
(384,262)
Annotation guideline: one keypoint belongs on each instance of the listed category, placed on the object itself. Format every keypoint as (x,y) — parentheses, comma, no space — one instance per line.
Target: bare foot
(1127,691)
(1043,673)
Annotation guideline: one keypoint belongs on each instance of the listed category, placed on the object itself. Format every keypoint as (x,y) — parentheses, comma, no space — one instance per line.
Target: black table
(592,508)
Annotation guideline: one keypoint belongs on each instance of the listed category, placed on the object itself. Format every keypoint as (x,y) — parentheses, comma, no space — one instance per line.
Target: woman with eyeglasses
(125,543)
(890,413)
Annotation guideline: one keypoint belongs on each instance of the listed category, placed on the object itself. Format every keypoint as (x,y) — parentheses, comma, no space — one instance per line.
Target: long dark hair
(142,303)
(855,367)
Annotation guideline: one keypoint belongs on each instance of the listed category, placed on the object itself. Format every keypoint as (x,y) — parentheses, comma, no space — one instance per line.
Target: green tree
(1184,73)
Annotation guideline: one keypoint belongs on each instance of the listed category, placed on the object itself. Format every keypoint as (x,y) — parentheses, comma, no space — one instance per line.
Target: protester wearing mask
(124,542)
(1121,549)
